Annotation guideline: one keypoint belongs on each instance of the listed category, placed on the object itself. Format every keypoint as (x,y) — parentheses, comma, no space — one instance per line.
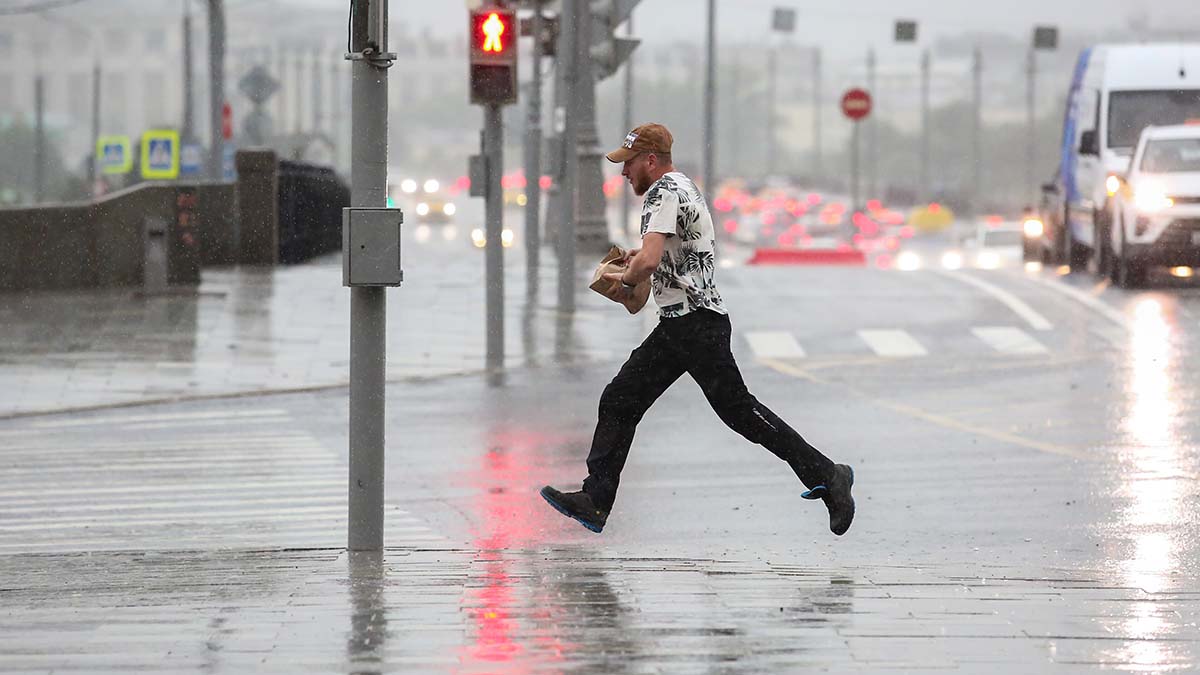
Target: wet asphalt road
(1026,484)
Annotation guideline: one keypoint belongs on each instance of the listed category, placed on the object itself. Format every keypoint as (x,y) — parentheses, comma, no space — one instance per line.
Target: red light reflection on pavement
(513,627)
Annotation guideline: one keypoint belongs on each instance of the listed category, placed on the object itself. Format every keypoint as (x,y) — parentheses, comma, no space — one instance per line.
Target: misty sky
(853,25)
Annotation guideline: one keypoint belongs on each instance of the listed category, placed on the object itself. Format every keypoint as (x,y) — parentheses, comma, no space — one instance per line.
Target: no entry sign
(856,104)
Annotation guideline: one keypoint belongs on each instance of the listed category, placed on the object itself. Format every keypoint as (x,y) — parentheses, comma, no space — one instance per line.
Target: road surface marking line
(161,417)
(256,516)
(170,487)
(1088,300)
(1009,340)
(197,463)
(1018,306)
(774,345)
(173,505)
(938,420)
(892,343)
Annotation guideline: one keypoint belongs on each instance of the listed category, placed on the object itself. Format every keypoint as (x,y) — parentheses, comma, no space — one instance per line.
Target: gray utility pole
(977,132)
(872,129)
(318,112)
(368,304)
(1030,121)
(298,101)
(626,126)
(93,173)
(591,224)
(493,149)
(533,158)
(189,112)
(568,64)
(772,141)
(710,92)
(818,164)
(925,191)
(216,87)
(855,182)
(39,139)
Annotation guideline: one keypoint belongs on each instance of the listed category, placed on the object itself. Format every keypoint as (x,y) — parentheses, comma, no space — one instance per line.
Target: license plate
(1196,238)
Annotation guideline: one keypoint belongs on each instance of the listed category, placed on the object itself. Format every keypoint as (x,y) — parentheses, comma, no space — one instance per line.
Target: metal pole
(298,99)
(493,149)
(1030,120)
(733,110)
(533,160)
(977,133)
(39,140)
(368,305)
(855,193)
(94,172)
(591,222)
(771,140)
(816,104)
(626,125)
(189,111)
(710,103)
(568,58)
(925,192)
(872,130)
(216,86)
(317,93)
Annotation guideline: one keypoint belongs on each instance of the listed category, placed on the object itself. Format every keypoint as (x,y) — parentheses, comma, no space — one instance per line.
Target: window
(1131,111)
(6,44)
(1172,155)
(7,104)
(79,96)
(113,100)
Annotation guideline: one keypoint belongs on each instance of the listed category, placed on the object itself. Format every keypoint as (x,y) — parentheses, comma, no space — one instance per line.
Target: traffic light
(493,56)
(607,50)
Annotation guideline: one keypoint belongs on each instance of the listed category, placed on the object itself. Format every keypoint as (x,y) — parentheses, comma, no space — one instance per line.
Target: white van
(1116,91)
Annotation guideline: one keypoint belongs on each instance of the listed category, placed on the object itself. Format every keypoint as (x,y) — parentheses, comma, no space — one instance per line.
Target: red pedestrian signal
(493,62)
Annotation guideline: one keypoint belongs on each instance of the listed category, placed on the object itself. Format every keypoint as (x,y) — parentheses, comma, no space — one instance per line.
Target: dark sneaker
(837,498)
(577,505)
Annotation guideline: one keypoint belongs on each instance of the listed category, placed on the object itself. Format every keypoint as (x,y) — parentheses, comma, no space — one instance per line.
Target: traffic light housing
(607,50)
(493,62)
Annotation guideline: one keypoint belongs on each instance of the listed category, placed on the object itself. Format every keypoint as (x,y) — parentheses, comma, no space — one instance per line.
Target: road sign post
(856,106)
(493,33)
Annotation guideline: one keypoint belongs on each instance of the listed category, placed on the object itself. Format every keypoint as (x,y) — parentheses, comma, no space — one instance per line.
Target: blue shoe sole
(561,509)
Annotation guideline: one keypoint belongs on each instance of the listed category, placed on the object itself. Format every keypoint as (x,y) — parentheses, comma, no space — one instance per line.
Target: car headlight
(478,238)
(908,261)
(1112,185)
(408,186)
(506,238)
(449,209)
(952,260)
(422,209)
(431,186)
(1150,199)
(1033,228)
(988,260)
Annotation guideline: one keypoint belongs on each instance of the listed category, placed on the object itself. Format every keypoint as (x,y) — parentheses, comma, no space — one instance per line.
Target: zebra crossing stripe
(774,345)
(1009,340)
(892,343)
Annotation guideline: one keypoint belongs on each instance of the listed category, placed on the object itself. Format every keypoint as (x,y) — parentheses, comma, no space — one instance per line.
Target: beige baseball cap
(646,138)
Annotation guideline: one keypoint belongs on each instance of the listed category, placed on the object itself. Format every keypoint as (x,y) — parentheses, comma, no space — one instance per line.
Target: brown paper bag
(614,261)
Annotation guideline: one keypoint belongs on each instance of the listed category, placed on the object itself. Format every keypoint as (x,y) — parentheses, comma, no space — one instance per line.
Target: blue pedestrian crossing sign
(114,154)
(191,160)
(160,155)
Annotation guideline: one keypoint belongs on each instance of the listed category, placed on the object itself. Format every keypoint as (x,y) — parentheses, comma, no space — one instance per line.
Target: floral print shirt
(683,281)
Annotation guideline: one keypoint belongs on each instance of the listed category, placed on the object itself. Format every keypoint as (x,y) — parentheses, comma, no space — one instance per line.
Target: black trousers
(697,344)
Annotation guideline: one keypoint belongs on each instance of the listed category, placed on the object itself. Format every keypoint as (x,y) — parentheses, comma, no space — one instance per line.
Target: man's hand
(631,254)
(617,277)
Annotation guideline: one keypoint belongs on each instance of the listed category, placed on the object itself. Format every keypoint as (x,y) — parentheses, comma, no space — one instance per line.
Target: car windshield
(1171,155)
(1131,111)
(1002,238)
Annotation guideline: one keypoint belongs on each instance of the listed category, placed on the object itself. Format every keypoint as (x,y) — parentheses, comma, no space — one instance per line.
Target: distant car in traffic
(996,245)
(1156,206)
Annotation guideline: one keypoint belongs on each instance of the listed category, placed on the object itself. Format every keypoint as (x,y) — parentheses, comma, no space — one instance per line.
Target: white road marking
(109,489)
(892,343)
(161,417)
(1009,340)
(1092,302)
(1018,306)
(774,345)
